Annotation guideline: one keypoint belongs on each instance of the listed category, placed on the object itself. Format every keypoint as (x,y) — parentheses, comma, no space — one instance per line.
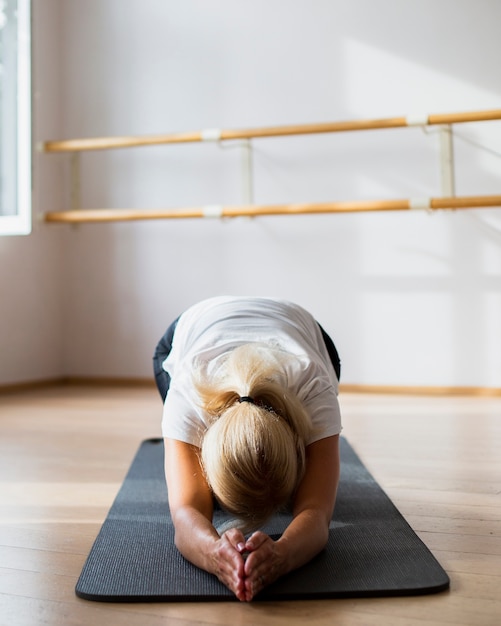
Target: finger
(233,579)
(256,540)
(235,542)
(236,538)
(229,563)
(254,585)
(259,560)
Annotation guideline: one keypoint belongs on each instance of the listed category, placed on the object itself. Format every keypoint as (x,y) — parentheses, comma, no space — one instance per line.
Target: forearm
(191,507)
(314,503)
(199,542)
(195,537)
(268,560)
(303,539)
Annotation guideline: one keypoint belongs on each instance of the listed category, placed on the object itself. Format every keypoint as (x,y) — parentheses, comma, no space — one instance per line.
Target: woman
(251,422)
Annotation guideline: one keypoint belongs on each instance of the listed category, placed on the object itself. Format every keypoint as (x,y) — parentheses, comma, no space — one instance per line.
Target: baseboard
(89,381)
(30,385)
(408,390)
(83,381)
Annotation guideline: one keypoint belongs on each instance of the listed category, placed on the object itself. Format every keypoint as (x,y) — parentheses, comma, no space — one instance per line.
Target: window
(15,117)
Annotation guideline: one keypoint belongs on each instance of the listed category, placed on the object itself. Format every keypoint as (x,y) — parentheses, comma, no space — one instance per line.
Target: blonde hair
(253,453)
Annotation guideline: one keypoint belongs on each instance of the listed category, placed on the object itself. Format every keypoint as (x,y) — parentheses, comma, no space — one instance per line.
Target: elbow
(178,532)
(321,525)
(181,541)
(177,541)
(323,536)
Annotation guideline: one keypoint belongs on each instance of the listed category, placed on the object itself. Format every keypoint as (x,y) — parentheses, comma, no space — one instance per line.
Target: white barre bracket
(417,120)
(211,134)
(212,210)
(420,204)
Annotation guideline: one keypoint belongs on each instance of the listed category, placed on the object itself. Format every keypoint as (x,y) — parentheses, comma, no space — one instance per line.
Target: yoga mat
(371,551)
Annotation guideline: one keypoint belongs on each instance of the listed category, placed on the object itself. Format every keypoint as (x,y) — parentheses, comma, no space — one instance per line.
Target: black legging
(165,346)
(333,353)
(161,353)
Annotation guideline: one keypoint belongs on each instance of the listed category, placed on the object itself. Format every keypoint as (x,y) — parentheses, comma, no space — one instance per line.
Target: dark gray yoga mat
(371,551)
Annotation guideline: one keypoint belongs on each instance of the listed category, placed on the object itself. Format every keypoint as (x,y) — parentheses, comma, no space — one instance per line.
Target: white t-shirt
(207,331)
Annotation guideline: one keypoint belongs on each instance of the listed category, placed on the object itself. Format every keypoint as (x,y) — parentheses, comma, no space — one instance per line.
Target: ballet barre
(216,211)
(215,134)
(248,208)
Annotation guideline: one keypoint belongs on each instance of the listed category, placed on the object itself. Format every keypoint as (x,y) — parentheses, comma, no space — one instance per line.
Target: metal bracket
(447,161)
(75,190)
(247,172)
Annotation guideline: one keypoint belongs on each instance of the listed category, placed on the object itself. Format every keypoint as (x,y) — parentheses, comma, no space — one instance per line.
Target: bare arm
(308,532)
(191,506)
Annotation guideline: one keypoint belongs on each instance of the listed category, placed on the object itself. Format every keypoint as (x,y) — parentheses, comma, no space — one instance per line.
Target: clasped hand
(247,566)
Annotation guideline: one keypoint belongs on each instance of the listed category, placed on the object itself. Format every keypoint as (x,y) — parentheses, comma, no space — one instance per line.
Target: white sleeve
(181,419)
(317,390)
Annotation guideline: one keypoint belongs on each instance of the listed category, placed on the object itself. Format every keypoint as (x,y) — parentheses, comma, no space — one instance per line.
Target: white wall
(31,296)
(410,299)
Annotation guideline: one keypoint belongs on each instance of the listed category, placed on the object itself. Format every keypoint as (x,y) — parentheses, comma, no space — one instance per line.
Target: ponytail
(253,453)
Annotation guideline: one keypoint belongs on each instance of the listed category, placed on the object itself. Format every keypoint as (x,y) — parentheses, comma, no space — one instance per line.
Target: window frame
(20,221)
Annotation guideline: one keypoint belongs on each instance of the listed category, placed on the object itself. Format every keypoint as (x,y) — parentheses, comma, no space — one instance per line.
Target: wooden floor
(65,450)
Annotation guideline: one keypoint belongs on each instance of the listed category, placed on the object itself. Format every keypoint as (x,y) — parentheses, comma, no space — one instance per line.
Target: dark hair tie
(246,399)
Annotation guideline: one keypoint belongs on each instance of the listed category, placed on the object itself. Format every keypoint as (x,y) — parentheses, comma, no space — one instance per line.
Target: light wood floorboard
(64,452)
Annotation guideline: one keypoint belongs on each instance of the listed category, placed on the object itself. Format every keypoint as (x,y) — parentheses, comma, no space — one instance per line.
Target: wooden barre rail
(127,215)
(106,143)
